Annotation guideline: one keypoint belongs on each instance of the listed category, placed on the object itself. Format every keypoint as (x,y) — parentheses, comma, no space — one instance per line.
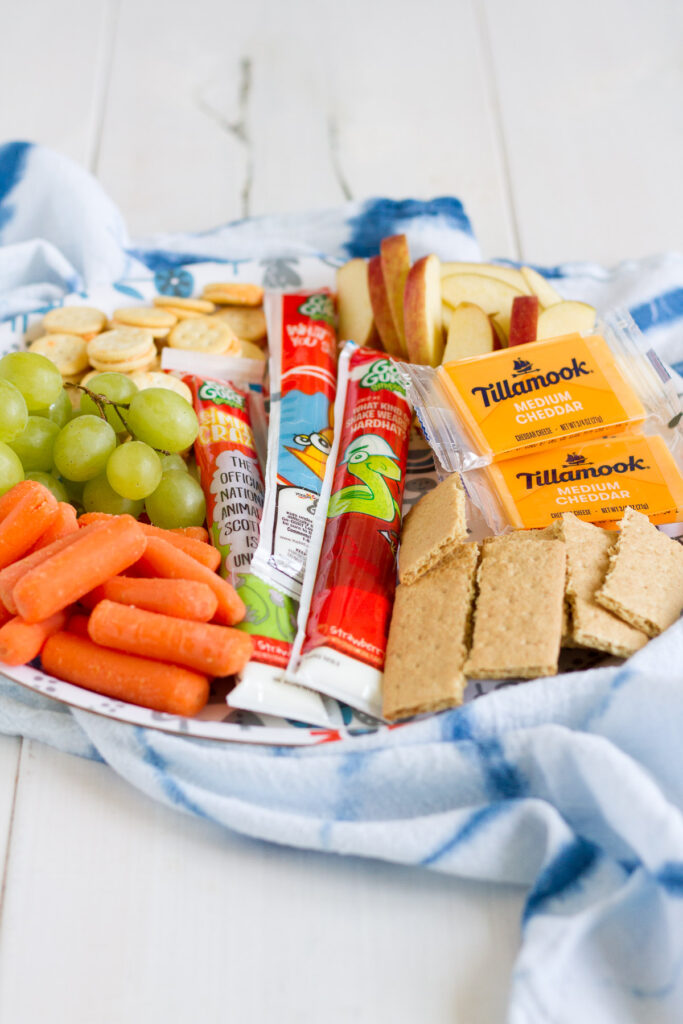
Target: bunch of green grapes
(116,456)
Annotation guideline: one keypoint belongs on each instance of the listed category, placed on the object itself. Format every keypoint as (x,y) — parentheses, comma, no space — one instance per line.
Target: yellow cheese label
(595,480)
(536,395)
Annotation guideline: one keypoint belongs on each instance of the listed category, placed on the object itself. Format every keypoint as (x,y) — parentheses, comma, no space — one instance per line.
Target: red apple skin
(395,258)
(384,320)
(524,319)
(422,311)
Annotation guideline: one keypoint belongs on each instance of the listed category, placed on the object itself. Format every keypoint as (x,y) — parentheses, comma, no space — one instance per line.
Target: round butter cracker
(81,320)
(206,334)
(121,344)
(176,302)
(144,316)
(247,323)
(69,352)
(158,379)
(226,293)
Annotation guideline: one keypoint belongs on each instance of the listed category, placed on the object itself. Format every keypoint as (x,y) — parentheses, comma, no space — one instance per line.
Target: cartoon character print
(372,461)
(315,447)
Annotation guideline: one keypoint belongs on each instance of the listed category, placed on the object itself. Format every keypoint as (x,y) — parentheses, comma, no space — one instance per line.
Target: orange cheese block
(595,480)
(517,399)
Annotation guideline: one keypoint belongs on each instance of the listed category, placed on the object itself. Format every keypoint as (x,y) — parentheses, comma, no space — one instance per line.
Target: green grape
(51,482)
(11,470)
(61,410)
(13,411)
(74,490)
(37,378)
(99,496)
(83,447)
(193,470)
(134,470)
(162,419)
(172,461)
(177,501)
(35,443)
(115,386)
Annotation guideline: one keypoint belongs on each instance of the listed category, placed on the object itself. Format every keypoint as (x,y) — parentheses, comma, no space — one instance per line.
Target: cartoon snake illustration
(370,459)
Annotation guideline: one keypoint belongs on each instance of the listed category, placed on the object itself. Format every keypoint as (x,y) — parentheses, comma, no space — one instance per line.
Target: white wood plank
(411,104)
(129,911)
(173,154)
(280,110)
(53,71)
(591,103)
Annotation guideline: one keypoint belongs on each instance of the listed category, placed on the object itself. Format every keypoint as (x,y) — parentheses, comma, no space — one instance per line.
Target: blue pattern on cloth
(571,787)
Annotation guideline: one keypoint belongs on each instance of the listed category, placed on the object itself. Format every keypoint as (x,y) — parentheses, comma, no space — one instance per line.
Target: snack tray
(217,721)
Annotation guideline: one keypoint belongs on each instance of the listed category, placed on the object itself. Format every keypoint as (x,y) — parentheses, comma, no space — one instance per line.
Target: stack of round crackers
(81,341)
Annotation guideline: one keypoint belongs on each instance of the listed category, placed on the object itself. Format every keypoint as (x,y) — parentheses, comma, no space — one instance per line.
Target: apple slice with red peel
(470,333)
(565,318)
(524,319)
(356,322)
(381,309)
(538,285)
(395,258)
(508,274)
(422,312)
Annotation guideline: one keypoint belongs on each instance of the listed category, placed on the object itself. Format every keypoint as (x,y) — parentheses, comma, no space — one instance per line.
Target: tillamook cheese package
(488,408)
(594,479)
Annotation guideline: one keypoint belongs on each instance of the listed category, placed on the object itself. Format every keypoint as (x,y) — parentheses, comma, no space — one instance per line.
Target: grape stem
(101,401)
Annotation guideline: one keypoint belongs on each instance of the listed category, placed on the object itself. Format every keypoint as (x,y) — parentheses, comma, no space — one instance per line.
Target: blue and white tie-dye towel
(571,786)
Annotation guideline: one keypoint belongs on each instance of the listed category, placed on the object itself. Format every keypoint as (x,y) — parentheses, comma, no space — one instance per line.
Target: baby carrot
(153,684)
(207,554)
(64,523)
(91,559)
(184,599)
(26,520)
(215,650)
(21,642)
(10,498)
(162,559)
(194,532)
(11,575)
(78,624)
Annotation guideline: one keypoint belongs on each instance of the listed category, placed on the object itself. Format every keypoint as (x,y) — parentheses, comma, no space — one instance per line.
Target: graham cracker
(551,532)
(432,529)
(588,556)
(644,580)
(428,637)
(518,614)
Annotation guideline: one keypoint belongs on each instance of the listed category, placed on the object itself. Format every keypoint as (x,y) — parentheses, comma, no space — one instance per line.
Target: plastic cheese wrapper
(595,479)
(230,411)
(348,590)
(302,382)
(483,409)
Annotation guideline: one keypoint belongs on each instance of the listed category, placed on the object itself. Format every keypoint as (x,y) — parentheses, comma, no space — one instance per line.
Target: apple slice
(524,319)
(491,294)
(508,274)
(381,309)
(422,312)
(356,322)
(501,336)
(565,318)
(395,257)
(469,333)
(538,285)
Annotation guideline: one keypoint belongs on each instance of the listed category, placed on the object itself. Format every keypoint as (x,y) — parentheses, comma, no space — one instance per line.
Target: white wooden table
(560,128)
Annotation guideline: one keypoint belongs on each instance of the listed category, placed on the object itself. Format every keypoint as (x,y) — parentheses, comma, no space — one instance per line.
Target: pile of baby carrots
(120,607)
